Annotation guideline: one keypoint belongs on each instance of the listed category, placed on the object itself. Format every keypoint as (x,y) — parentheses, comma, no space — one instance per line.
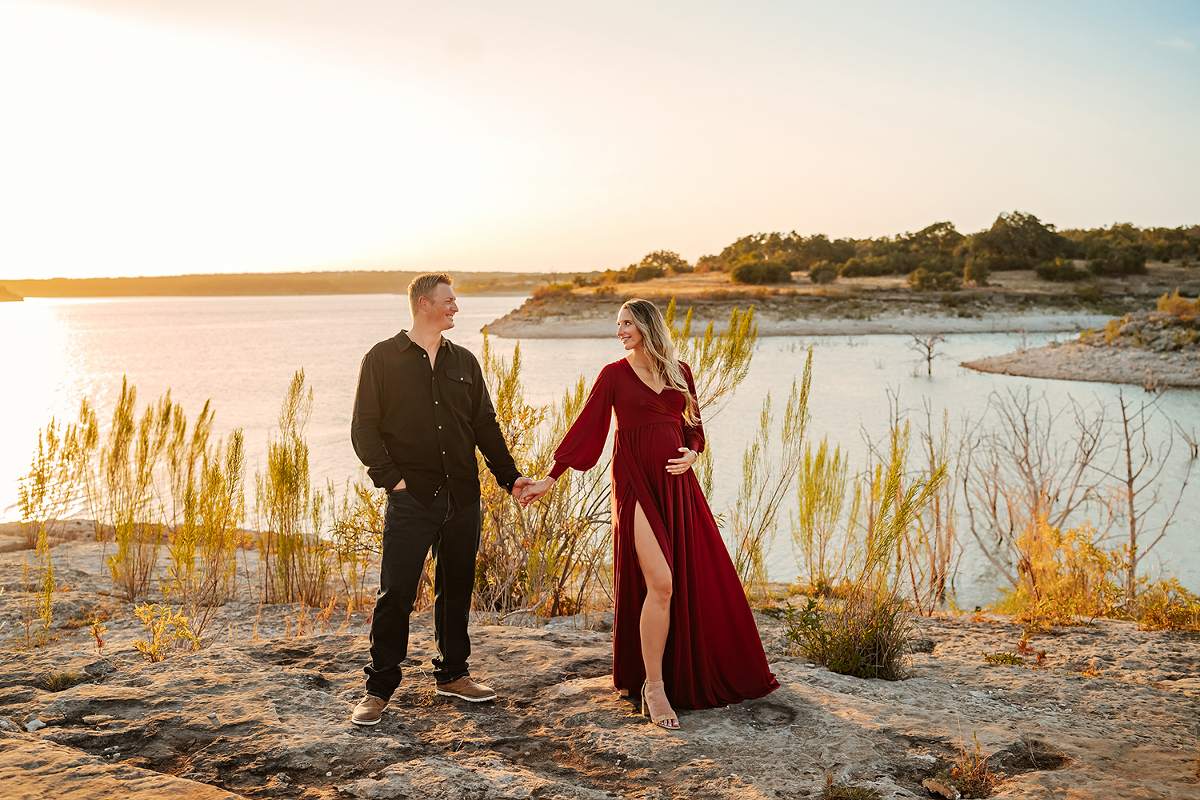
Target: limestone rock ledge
(270,719)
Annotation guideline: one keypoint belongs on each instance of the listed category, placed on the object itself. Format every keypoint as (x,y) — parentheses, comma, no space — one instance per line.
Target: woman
(683,631)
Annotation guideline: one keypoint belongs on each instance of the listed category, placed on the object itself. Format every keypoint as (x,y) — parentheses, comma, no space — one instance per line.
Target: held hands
(532,491)
(678,466)
(520,486)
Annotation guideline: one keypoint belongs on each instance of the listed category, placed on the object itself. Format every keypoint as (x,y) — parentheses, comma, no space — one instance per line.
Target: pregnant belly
(651,445)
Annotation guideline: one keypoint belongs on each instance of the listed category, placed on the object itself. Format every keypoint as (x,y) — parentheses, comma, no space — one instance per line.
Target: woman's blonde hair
(657,344)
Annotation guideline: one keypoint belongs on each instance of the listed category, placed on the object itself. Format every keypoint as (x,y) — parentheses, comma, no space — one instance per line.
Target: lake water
(241,353)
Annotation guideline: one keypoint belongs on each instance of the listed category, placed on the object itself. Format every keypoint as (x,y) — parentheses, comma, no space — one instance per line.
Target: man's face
(441,308)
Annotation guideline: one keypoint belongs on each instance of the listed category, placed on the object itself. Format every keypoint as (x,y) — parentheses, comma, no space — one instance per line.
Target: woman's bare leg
(656,610)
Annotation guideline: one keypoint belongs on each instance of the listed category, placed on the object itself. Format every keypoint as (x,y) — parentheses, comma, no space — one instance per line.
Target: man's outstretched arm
(490,439)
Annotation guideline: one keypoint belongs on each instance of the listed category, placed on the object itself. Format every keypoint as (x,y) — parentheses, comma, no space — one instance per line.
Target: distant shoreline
(266,284)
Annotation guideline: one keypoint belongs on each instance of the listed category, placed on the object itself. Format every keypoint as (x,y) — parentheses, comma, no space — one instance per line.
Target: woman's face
(627,332)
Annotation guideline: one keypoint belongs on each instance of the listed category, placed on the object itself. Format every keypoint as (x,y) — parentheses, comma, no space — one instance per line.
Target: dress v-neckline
(642,382)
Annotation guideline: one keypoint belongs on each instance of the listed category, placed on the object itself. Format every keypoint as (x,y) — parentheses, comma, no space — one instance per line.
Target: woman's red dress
(713,655)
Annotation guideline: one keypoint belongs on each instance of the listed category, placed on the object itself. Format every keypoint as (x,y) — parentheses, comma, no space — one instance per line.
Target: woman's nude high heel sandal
(668,722)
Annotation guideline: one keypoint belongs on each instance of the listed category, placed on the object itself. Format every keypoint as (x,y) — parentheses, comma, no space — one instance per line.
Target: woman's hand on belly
(678,466)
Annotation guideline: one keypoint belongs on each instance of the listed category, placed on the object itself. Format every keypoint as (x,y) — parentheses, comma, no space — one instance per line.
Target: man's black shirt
(422,425)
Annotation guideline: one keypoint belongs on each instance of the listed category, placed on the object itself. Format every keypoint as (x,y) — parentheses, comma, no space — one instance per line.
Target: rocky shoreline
(582,317)
(263,712)
(1151,349)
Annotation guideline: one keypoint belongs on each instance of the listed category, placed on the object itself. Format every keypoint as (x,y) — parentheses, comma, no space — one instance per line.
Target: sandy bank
(266,715)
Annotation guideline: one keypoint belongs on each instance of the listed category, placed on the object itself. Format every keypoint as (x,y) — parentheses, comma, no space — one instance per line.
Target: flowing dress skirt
(713,654)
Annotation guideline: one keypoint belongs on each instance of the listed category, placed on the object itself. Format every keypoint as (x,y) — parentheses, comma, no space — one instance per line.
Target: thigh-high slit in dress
(713,656)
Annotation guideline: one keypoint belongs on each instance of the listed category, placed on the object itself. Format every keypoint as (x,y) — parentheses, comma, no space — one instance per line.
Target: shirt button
(439,427)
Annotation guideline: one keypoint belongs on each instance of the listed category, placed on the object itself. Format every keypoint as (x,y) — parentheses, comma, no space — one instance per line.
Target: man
(421,409)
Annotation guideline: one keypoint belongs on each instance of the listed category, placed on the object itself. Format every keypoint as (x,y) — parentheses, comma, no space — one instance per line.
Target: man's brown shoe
(467,689)
(369,710)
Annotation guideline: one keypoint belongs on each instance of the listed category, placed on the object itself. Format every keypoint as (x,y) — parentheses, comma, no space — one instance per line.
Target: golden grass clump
(971,773)
(1178,306)
(167,629)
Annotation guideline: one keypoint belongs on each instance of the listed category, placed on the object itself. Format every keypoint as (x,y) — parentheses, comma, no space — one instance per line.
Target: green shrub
(823,272)
(923,280)
(860,268)
(865,635)
(1004,657)
(1118,261)
(977,271)
(1060,270)
(711,264)
(1089,293)
(646,273)
(668,261)
(761,272)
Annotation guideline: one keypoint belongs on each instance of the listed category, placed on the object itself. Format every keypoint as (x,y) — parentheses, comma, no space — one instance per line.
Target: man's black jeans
(409,531)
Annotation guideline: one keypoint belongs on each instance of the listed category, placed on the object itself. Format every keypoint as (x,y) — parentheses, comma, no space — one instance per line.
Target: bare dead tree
(1015,469)
(1193,442)
(925,345)
(1139,464)
(932,542)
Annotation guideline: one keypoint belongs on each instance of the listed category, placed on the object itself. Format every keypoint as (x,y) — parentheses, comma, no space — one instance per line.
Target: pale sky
(142,137)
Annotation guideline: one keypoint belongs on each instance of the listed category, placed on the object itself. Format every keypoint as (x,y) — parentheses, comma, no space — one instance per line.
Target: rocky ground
(1146,348)
(263,711)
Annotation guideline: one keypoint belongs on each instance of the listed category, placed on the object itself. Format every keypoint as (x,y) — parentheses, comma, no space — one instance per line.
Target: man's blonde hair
(424,286)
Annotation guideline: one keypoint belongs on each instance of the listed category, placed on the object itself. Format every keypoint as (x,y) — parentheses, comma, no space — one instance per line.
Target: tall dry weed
(295,561)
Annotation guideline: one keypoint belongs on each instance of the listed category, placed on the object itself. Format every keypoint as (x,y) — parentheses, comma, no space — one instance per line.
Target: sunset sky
(142,137)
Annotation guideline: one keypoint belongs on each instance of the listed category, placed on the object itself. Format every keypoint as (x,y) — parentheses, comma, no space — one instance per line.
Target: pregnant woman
(683,632)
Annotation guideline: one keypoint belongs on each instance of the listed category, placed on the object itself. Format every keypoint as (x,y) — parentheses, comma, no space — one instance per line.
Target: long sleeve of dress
(693,435)
(581,448)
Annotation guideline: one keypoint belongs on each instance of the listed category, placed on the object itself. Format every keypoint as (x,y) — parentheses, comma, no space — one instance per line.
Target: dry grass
(971,773)
(59,681)
(845,791)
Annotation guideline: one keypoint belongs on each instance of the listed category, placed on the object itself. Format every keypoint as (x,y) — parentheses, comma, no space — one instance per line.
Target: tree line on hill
(935,257)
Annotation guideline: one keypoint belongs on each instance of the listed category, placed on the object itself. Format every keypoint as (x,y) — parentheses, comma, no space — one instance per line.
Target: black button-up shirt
(422,424)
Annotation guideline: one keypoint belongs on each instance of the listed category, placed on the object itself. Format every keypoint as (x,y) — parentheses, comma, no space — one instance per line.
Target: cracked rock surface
(1110,713)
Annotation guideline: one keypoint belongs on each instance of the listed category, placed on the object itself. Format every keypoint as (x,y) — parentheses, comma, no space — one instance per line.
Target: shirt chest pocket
(458,383)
